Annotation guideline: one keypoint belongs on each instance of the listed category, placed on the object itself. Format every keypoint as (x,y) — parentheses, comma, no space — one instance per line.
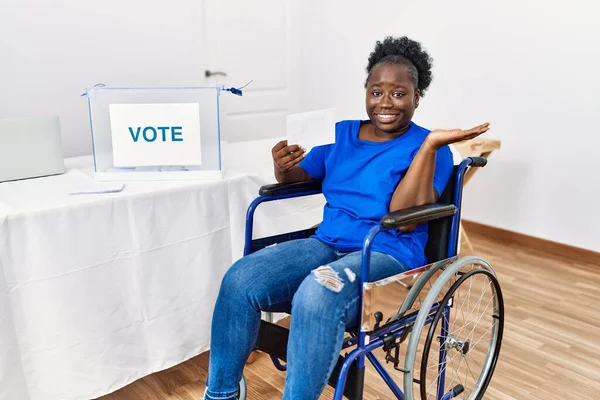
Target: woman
(380,165)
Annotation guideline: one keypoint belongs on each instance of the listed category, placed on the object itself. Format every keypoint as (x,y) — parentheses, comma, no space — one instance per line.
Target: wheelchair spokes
(465,332)
(459,348)
(454,336)
(407,290)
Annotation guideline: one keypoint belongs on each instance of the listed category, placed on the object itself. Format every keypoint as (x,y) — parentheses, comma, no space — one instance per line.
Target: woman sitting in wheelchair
(376,166)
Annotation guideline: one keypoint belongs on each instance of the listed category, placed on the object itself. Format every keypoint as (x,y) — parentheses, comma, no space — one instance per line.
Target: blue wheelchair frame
(365,341)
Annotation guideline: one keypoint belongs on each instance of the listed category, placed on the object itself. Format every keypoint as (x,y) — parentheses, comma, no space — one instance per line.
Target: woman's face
(391,98)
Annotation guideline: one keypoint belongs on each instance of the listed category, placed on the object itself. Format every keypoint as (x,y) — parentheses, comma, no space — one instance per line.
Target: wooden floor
(551,346)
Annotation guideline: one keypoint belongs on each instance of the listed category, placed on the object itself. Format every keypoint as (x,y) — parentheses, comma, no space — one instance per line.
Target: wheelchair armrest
(279,189)
(417,215)
(478,161)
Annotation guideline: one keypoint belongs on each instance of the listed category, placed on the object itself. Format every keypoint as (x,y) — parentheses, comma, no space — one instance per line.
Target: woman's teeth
(386,117)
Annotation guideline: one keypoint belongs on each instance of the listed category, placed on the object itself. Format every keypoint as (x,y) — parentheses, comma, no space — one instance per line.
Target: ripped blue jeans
(320,285)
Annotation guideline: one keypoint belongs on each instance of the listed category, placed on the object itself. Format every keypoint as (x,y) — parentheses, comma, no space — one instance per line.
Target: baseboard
(547,246)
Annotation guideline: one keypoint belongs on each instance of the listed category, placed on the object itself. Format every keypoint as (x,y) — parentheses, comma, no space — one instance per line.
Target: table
(97,291)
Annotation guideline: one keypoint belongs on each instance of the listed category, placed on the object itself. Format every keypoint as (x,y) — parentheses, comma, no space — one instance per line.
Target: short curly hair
(407,52)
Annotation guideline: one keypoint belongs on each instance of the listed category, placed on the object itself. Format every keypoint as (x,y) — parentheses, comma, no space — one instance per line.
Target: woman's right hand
(285,157)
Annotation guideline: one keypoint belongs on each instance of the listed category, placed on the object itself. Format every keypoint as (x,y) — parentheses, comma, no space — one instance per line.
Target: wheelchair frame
(370,335)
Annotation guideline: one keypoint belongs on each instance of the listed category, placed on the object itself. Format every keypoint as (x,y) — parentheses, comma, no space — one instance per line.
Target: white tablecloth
(97,291)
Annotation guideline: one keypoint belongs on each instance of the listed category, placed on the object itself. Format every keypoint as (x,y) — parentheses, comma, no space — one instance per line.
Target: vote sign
(155,134)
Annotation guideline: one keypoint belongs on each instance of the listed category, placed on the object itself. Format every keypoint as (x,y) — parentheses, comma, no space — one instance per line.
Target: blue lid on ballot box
(156,133)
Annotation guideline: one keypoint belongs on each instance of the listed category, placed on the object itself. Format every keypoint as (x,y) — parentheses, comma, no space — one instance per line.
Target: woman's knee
(237,279)
(240,283)
(322,293)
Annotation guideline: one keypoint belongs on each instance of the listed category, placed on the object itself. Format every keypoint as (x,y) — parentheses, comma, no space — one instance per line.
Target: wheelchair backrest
(436,248)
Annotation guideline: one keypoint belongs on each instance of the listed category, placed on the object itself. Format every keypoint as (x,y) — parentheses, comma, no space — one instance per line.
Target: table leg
(464,236)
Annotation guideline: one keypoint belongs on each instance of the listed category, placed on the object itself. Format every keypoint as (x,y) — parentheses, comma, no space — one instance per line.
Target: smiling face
(391,99)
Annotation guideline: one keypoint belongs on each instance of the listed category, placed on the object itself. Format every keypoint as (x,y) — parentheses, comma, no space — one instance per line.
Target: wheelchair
(439,326)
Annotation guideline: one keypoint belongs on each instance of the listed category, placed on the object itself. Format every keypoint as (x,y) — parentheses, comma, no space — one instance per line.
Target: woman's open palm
(442,137)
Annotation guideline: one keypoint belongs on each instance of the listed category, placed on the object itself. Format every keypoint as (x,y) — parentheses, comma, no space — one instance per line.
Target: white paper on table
(97,189)
(310,129)
(83,184)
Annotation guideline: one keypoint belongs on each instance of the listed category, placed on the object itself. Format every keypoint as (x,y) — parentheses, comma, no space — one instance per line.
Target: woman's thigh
(270,277)
(333,288)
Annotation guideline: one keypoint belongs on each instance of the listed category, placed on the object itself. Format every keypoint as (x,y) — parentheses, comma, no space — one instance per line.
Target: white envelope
(310,129)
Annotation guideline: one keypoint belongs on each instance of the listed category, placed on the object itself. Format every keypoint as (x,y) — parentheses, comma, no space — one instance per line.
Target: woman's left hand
(442,137)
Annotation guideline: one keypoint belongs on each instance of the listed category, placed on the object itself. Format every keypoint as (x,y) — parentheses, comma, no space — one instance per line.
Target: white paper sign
(310,129)
(155,134)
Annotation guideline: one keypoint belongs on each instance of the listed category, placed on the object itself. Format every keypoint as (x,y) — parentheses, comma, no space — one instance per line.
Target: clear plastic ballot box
(156,133)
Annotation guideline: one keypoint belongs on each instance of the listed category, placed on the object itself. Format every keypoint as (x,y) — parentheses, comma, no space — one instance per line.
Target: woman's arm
(416,187)
(294,174)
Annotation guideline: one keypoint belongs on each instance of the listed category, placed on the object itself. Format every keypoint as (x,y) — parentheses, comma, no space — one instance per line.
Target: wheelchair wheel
(463,334)
(242,390)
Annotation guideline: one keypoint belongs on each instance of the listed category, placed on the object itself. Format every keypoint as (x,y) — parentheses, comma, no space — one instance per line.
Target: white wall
(530,67)
(51,50)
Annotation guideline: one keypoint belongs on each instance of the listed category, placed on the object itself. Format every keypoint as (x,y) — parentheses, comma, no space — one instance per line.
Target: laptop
(30,148)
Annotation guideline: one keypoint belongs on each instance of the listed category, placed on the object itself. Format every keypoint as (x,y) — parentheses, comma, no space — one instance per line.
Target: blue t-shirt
(359,178)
